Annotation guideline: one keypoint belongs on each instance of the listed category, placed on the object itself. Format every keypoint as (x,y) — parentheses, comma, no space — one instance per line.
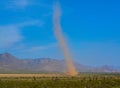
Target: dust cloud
(62,42)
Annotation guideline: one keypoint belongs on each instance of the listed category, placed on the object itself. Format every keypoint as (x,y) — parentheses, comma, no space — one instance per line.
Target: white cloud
(10,34)
(30,23)
(38,48)
(23,4)
(18,4)
(35,49)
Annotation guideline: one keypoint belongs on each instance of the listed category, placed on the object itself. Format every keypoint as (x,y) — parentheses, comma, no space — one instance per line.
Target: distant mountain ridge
(11,64)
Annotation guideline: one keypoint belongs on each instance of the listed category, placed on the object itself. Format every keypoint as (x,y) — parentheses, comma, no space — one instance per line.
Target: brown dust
(62,42)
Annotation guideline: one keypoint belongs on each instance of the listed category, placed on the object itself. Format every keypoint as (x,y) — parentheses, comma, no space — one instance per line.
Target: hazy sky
(91,28)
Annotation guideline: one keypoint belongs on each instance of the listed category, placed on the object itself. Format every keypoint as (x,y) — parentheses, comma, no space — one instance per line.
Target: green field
(81,81)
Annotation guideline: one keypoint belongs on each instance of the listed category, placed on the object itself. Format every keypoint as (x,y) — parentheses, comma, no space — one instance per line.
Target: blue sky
(91,28)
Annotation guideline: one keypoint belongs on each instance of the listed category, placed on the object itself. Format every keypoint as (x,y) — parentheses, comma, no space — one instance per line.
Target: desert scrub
(60,82)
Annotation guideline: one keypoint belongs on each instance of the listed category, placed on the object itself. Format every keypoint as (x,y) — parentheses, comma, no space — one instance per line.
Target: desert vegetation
(81,81)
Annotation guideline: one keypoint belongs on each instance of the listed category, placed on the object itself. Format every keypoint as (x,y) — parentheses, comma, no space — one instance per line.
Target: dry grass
(31,75)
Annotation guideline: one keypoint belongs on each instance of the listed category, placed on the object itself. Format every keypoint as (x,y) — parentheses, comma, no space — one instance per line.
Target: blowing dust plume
(59,35)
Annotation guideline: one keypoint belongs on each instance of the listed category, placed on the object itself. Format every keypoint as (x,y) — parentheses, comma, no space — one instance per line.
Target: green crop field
(81,81)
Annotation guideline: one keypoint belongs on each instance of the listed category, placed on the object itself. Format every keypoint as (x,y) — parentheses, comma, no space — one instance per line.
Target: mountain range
(12,64)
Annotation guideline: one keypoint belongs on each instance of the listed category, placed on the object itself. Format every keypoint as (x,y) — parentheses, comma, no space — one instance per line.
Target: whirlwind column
(62,42)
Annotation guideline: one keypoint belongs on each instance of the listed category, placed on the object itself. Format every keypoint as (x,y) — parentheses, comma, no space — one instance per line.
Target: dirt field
(31,75)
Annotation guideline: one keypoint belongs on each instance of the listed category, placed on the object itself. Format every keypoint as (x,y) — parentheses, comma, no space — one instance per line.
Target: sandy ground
(31,75)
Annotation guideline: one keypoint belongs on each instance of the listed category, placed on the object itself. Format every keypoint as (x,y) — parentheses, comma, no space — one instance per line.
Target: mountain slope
(11,64)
